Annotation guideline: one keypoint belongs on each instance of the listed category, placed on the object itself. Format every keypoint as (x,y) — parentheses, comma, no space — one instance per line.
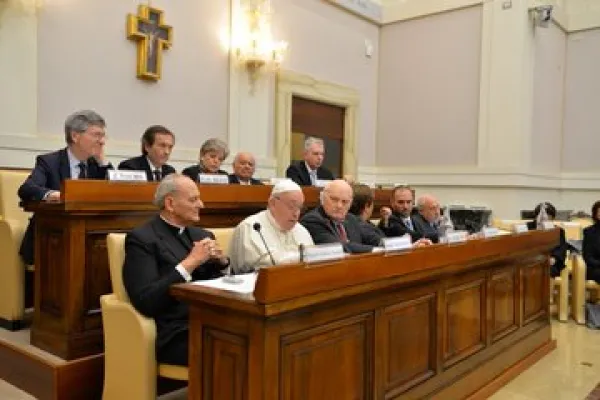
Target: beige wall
(582,103)
(429,90)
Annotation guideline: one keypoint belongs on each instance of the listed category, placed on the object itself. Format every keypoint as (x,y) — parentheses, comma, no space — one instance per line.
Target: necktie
(82,170)
(157,175)
(313,177)
(409,224)
(341,232)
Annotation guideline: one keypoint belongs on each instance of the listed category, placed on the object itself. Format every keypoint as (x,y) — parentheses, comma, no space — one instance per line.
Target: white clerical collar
(274,223)
(152,166)
(181,228)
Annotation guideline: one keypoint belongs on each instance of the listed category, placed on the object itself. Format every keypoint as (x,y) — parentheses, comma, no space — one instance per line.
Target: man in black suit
(157,145)
(331,222)
(306,172)
(83,158)
(397,220)
(168,250)
(427,219)
(244,166)
(591,245)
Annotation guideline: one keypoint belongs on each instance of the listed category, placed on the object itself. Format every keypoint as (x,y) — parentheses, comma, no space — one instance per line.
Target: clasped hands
(204,250)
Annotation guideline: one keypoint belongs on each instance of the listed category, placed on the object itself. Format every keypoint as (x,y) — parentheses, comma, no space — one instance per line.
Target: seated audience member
(362,206)
(331,223)
(591,245)
(244,166)
(397,220)
(426,221)
(166,250)
(306,172)
(83,158)
(279,227)
(212,154)
(558,255)
(157,144)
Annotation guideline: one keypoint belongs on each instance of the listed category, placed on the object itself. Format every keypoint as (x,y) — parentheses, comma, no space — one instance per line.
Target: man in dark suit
(83,158)
(157,145)
(591,245)
(308,171)
(331,222)
(244,166)
(168,250)
(398,220)
(427,219)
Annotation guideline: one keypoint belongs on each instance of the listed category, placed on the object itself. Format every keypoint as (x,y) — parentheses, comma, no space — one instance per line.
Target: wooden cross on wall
(148,29)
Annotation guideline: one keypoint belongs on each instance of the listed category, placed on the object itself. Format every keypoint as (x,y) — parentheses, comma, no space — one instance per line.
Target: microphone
(301,252)
(257,228)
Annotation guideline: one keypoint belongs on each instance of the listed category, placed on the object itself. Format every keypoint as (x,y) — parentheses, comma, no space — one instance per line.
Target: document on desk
(246,283)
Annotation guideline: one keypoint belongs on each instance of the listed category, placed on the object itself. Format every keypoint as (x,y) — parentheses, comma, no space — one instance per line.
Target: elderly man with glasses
(280,231)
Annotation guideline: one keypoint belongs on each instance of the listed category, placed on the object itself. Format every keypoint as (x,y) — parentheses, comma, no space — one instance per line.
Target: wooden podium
(72,263)
(443,322)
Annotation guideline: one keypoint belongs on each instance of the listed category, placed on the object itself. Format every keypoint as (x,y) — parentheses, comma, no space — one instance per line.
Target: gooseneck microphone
(257,227)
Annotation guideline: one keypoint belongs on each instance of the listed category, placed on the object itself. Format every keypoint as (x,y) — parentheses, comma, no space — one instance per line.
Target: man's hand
(53,197)
(385,213)
(422,242)
(100,158)
(200,253)
(217,254)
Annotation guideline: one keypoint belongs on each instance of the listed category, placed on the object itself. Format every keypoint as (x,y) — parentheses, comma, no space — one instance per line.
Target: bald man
(331,222)
(244,166)
(426,221)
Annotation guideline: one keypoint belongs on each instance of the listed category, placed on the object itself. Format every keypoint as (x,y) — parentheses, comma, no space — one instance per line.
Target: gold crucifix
(147,28)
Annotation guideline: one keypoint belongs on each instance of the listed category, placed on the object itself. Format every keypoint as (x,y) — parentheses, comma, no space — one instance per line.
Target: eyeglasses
(290,205)
(97,135)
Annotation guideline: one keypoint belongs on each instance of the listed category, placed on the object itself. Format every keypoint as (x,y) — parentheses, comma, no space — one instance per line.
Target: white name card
(321,182)
(548,225)
(490,232)
(213,179)
(520,228)
(457,237)
(323,252)
(126,175)
(397,243)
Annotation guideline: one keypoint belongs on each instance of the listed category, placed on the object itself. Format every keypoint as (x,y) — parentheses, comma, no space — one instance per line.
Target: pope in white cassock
(279,226)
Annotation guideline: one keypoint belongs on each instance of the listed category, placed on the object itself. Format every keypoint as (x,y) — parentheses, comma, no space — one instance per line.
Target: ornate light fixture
(252,42)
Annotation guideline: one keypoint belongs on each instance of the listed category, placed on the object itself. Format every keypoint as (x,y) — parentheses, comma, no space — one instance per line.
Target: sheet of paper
(246,284)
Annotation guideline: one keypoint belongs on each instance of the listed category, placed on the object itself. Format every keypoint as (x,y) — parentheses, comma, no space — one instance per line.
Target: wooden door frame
(290,84)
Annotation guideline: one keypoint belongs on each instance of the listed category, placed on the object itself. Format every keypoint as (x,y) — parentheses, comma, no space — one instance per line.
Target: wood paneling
(534,278)
(225,360)
(315,118)
(504,308)
(307,371)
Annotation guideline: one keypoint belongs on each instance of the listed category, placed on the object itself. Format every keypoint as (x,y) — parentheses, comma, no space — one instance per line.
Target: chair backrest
(10,181)
(115,244)
(223,237)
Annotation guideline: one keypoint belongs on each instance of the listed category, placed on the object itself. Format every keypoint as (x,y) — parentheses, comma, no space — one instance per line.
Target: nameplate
(490,232)
(323,252)
(127,175)
(457,237)
(520,228)
(213,179)
(548,225)
(322,182)
(398,243)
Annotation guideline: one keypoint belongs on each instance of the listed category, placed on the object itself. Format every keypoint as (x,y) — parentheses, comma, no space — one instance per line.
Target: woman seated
(591,245)
(558,255)
(362,206)
(212,154)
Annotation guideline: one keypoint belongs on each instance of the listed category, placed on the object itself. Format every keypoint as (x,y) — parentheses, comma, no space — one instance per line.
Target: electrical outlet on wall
(368,48)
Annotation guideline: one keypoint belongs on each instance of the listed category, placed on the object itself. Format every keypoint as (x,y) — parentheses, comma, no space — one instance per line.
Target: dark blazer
(152,251)
(299,173)
(194,170)
(397,227)
(322,230)
(141,164)
(591,251)
(233,179)
(559,253)
(49,171)
(424,228)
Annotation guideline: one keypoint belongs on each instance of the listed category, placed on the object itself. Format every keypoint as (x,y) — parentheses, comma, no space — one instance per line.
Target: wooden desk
(442,322)
(72,263)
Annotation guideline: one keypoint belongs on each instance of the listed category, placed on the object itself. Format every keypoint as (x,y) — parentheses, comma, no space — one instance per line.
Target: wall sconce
(252,44)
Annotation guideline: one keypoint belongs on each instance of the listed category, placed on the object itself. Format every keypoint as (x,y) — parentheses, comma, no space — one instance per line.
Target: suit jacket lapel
(169,240)
(305,174)
(146,166)
(64,169)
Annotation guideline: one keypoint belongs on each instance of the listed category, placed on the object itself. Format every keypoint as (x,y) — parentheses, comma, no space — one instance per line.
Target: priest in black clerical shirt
(157,145)
(166,250)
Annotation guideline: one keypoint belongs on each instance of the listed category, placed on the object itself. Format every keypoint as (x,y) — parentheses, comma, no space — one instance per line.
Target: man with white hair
(331,222)
(279,227)
(244,166)
(166,250)
(426,221)
(311,169)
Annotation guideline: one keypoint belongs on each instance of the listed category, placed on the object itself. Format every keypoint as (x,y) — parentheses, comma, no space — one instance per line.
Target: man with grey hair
(426,221)
(167,250)
(244,166)
(212,154)
(279,227)
(311,169)
(83,158)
